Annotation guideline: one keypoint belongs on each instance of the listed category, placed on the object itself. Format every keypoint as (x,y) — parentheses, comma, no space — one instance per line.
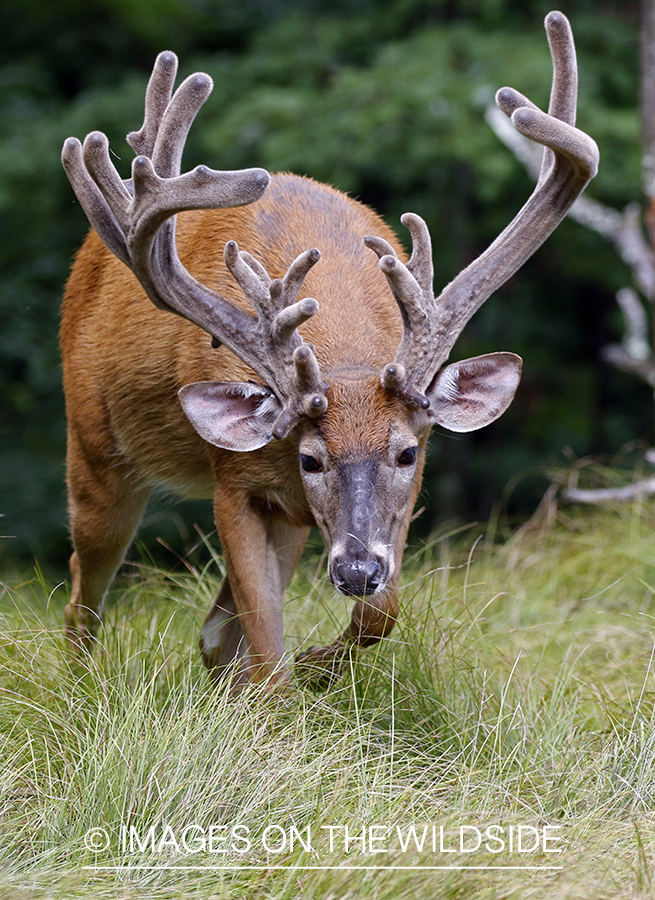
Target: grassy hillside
(516,692)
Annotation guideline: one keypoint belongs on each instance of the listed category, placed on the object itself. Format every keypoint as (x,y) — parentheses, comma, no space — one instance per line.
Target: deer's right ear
(472,393)
(235,416)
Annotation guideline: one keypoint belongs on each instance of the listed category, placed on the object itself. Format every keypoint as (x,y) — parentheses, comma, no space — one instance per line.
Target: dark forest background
(384,99)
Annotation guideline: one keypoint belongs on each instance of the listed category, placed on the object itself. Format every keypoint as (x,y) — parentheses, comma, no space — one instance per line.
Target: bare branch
(647,99)
(635,339)
(607,495)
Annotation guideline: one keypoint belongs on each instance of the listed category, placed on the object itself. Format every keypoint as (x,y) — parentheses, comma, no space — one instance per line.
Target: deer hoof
(317,669)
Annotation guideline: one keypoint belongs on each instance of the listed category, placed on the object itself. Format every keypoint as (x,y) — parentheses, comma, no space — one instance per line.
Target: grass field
(514,699)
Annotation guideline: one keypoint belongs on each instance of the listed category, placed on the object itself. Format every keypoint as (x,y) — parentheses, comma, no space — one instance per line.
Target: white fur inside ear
(447,388)
(236,416)
(470,394)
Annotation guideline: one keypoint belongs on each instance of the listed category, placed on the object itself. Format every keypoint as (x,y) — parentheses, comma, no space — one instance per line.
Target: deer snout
(358,576)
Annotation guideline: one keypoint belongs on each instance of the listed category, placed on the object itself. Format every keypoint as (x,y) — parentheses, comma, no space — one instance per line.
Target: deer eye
(309,464)
(408,457)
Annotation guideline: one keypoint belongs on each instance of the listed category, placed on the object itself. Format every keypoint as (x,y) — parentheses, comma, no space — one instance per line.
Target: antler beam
(136,220)
(570,161)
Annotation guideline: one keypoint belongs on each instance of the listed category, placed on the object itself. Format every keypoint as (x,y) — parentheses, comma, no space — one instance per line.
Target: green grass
(517,690)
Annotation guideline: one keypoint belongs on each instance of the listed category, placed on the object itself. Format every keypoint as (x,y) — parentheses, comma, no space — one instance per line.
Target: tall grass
(517,690)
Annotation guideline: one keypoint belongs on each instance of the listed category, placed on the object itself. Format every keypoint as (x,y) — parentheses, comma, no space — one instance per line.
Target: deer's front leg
(261,551)
(372,619)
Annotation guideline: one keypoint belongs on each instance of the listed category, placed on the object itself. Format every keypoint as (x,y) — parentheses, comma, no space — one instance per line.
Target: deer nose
(356,577)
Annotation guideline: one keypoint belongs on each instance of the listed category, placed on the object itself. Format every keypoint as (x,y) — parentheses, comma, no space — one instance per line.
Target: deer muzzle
(360,562)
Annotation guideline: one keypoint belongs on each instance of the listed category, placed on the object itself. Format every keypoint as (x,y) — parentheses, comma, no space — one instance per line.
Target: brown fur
(356,424)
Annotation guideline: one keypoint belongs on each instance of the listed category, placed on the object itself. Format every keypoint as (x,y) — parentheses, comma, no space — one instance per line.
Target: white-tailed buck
(297,411)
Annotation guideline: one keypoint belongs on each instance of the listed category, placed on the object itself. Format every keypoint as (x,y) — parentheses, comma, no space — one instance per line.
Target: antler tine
(158,96)
(249,274)
(574,163)
(564,89)
(420,263)
(310,397)
(412,288)
(570,161)
(176,122)
(297,272)
(292,317)
(312,387)
(92,201)
(95,150)
(293,371)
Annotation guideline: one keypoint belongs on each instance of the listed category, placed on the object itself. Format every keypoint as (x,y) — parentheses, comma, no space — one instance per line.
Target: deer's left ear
(470,394)
(235,416)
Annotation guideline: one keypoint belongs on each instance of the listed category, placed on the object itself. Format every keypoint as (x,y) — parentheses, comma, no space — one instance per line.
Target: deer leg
(372,619)
(222,641)
(245,621)
(105,507)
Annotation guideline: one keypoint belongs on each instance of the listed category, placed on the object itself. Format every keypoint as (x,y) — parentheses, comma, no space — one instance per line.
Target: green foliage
(383,98)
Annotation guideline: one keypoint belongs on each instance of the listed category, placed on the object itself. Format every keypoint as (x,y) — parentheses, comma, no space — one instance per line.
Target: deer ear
(235,416)
(470,394)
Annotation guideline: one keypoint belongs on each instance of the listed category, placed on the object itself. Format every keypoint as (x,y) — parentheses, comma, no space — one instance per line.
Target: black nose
(356,577)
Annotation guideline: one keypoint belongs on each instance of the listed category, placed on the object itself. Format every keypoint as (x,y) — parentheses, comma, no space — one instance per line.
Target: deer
(297,379)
